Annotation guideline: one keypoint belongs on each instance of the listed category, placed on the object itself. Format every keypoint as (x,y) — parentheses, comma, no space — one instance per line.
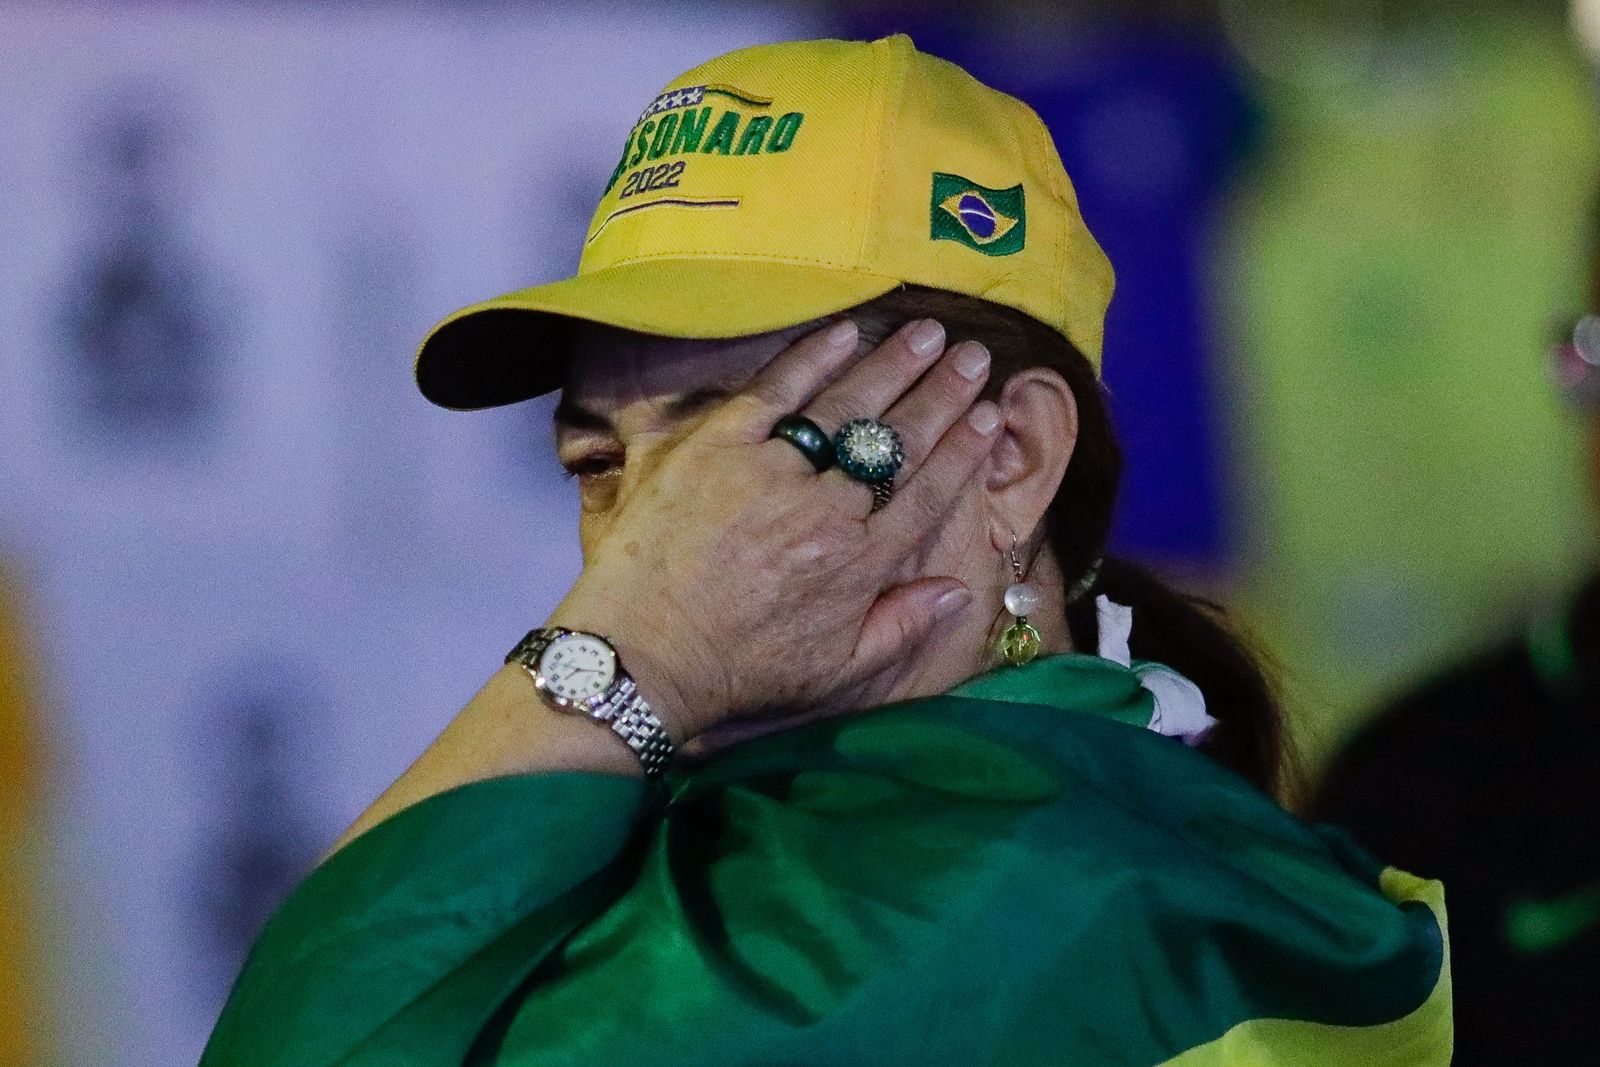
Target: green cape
(1014,873)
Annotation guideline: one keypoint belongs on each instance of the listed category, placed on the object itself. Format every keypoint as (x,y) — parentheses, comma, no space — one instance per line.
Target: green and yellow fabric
(1016,872)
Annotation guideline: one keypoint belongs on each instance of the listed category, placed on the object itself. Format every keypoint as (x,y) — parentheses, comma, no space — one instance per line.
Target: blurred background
(246,572)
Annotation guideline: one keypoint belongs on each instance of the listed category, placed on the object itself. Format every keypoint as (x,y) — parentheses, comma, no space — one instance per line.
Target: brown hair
(1188,634)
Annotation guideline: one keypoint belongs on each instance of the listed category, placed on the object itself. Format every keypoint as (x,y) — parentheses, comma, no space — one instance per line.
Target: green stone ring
(869,450)
(808,437)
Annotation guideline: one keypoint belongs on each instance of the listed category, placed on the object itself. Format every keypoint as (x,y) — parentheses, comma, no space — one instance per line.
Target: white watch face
(577,666)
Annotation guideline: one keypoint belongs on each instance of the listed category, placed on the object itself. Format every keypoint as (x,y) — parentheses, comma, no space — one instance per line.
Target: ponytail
(1187,634)
(1191,635)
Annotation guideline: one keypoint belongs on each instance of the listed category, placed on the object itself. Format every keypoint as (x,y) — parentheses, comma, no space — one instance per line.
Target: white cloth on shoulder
(1180,707)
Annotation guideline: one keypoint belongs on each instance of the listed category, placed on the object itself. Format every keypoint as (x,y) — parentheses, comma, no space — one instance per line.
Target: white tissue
(1180,707)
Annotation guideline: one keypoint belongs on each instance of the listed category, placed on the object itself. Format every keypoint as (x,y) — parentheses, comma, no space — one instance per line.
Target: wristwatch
(579,672)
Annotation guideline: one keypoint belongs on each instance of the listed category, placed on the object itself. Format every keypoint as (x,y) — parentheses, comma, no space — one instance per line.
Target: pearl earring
(1019,642)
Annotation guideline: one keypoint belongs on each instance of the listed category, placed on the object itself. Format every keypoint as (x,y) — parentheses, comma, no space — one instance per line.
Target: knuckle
(902,361)
(826,412)
(918,441)
(733,416)
(758,398)
(965,447)
(810,550)
(908,627)
(926,507)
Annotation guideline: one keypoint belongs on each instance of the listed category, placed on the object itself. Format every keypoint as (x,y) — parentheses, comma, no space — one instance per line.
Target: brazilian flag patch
(993,221)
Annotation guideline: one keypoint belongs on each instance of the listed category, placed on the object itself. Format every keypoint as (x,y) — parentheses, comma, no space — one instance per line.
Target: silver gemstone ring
(869,450)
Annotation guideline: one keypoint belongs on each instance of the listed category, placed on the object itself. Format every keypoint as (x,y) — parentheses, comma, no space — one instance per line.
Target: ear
(1039,431)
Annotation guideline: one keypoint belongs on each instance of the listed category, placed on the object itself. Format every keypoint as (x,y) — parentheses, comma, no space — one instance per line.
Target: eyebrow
(571,415)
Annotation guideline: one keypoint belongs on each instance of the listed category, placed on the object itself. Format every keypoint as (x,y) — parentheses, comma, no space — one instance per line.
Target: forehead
(609,365)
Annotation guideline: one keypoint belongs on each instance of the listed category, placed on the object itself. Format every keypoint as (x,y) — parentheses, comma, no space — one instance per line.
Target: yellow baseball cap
(781,183)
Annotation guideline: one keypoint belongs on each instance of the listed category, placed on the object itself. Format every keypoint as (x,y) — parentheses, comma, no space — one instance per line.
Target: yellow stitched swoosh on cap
(739,95)
(665,201)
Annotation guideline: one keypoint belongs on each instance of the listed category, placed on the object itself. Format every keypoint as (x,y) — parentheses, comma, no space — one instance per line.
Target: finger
(789,381)
(877,379)
(902,618)
(842,492)
(923,500)
(922,416)
(933,405)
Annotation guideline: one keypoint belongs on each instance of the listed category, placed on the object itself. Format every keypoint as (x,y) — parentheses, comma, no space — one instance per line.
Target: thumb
(902,618)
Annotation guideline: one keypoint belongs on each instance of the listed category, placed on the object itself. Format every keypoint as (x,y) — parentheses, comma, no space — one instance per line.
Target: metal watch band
(622,707)
(633,721)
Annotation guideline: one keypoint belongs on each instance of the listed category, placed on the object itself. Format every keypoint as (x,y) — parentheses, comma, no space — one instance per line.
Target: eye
(599,477)
(596,465)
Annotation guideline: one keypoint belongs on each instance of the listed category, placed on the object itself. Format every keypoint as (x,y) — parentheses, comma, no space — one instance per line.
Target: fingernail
(842,334)
(951,602)
(972,359)
(924,336)
(984,417)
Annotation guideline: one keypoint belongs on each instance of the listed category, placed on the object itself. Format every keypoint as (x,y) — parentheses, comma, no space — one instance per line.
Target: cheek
(602,501)
(592,527)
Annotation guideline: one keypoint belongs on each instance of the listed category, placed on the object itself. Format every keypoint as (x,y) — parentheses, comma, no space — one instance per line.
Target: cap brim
(514,347)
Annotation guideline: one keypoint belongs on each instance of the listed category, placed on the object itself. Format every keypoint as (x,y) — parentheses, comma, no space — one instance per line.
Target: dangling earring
(1019,642)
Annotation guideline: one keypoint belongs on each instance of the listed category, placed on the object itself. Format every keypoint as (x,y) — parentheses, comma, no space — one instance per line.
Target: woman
(840,454)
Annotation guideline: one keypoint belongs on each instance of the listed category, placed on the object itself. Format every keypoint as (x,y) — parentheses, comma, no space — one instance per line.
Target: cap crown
(869,158)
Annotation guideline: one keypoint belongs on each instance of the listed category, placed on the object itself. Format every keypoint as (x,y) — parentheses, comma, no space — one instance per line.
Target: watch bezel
(588,704)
